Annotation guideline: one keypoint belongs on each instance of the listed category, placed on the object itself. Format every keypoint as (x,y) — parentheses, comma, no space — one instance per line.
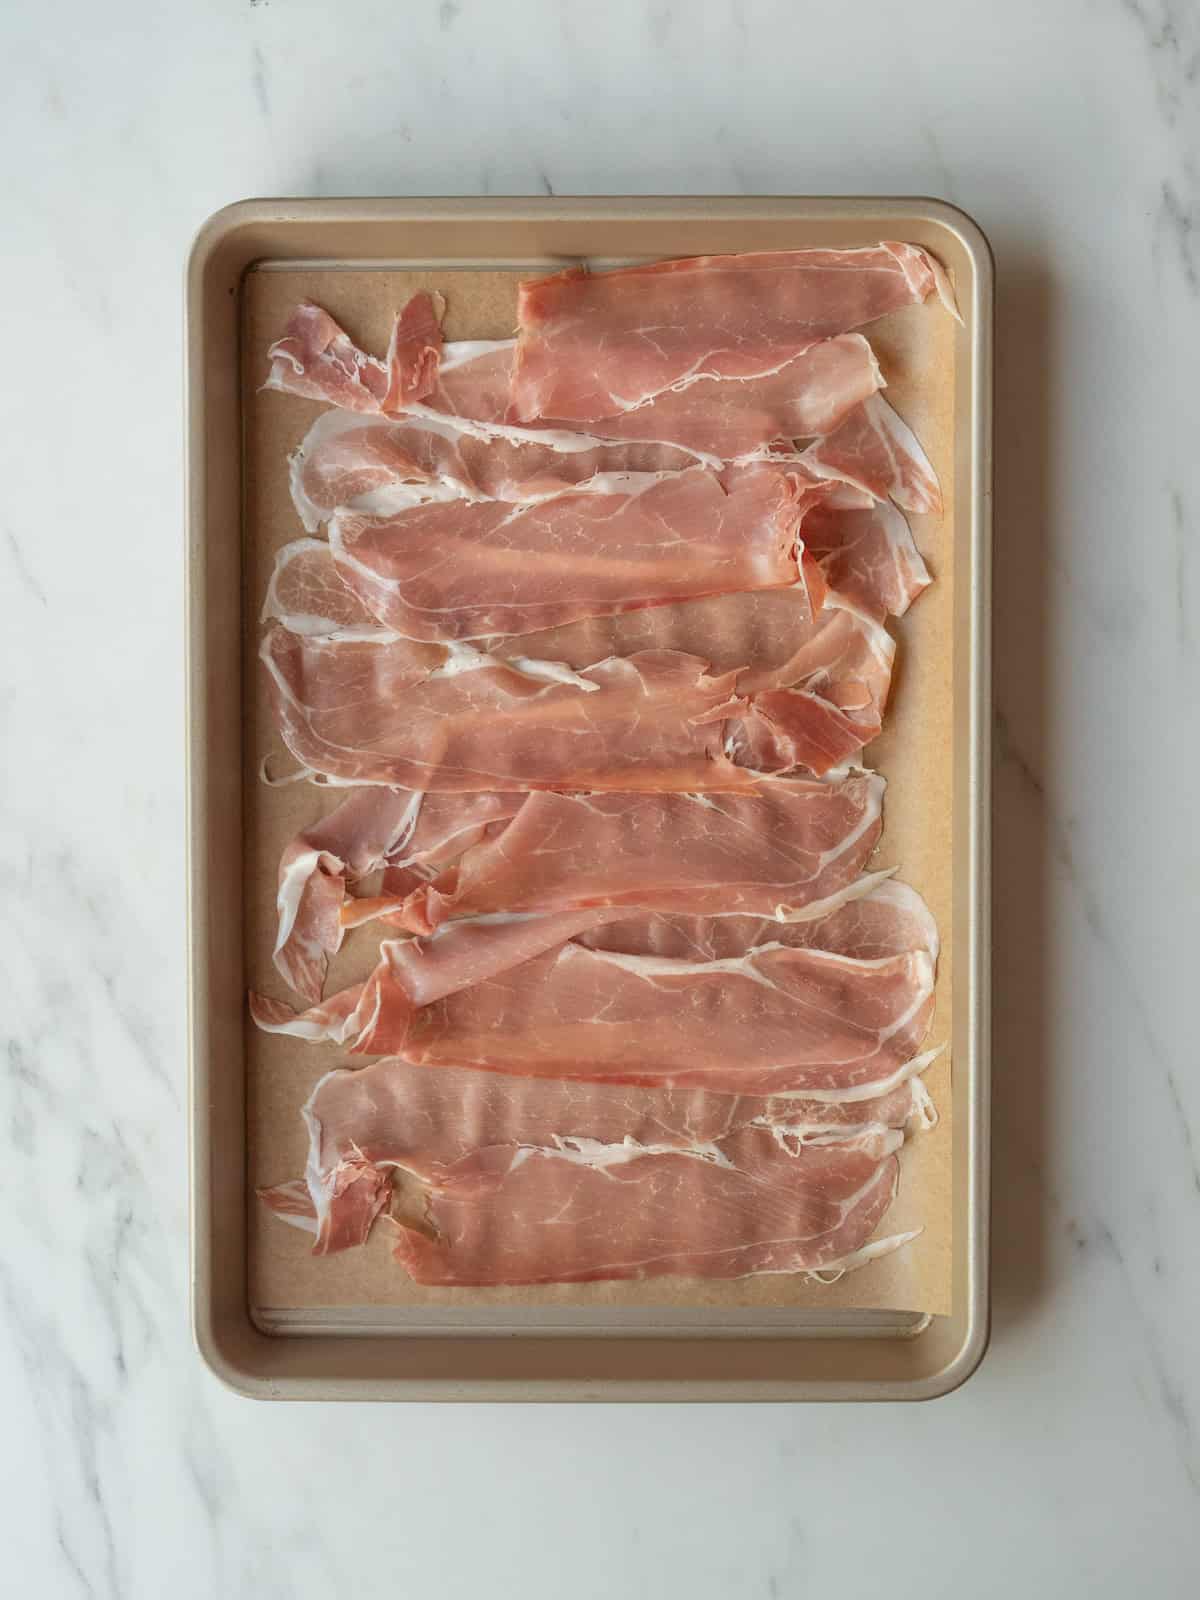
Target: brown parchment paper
(916,349)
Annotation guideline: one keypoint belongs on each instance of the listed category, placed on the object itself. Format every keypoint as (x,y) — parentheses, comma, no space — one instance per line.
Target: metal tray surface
(536,1353)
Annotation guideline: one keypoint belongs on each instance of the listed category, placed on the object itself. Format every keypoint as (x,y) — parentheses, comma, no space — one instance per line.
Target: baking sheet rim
(235,1353)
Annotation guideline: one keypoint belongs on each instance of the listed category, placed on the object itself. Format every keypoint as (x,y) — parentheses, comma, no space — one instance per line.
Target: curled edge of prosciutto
(317,359)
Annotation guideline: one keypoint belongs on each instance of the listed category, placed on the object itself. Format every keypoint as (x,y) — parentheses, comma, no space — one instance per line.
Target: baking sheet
(916,350)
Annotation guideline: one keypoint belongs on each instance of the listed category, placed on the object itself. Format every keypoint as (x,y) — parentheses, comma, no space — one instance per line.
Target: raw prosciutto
(773,851)
(826,705)
(872,918)
(449,1129)
(599,628)
(412,835)
(774,1020)
(473,379)
(420,716)
(778,1019)
(839,662)
(461,570)
(413,351)
(345,1212)
(726,417)
(595,345)
(875,450)
(462,428)
(381,465)
(867,555)
(869,918)
(306,594)
(777,630)
(318,360)
(753,1207)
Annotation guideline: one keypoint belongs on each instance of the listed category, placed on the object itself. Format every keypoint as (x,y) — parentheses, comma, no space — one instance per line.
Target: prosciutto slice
(460,570)
(595,345)
(307,595)
(875,450)
(447,1129)
(411,834)
(775,1020)
(413,352)
(773,851)
(805,395)
(726,417)
(872,918)
(867,555)
(775,629)
(838,661)
(420,716)
(318,360)
(381,465)
(753,1207)
(778,1019)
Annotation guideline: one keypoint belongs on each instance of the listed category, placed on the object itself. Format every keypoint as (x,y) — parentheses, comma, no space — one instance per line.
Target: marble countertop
(1071,1463)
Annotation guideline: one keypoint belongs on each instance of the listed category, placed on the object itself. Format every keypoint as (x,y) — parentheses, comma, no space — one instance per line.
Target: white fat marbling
(1071,1464)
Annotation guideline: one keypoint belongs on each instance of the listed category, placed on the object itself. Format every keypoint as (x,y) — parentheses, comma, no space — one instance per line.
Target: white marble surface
(1071,1463)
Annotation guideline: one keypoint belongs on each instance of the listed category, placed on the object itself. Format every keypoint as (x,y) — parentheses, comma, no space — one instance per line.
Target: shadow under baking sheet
(1023,736)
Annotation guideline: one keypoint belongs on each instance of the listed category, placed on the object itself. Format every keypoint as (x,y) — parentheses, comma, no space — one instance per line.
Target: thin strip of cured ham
(772,851)
(872,918)
(595,345)
(754,1207)
(867,555)
(381,465)
(874,449)
(423,717)
(777,1019)
(839,663)
(462,432)
(412,835)
(445,1127)
(466,570)
(805,395)
(318,360)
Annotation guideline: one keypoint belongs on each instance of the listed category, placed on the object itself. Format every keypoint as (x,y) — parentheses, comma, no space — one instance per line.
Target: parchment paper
(915,347)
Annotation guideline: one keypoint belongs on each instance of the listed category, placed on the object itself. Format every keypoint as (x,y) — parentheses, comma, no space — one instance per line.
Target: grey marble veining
(1071,1463)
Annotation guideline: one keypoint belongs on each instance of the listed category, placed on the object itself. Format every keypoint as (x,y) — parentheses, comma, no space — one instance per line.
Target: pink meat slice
(443,1127)
(875,450)
(789,843)
(774,1020)
(778,1019)
(825,704)
(318,360)
(723,417)
(841,659)
(418,716)
(867,555)
(413,352)
(805,395)
(413,834)
(872,918)
(752,1207)
(774,628)
(344,1211)
(595,345)
(308,596)
(466,570)
(473,380)
(383,464)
